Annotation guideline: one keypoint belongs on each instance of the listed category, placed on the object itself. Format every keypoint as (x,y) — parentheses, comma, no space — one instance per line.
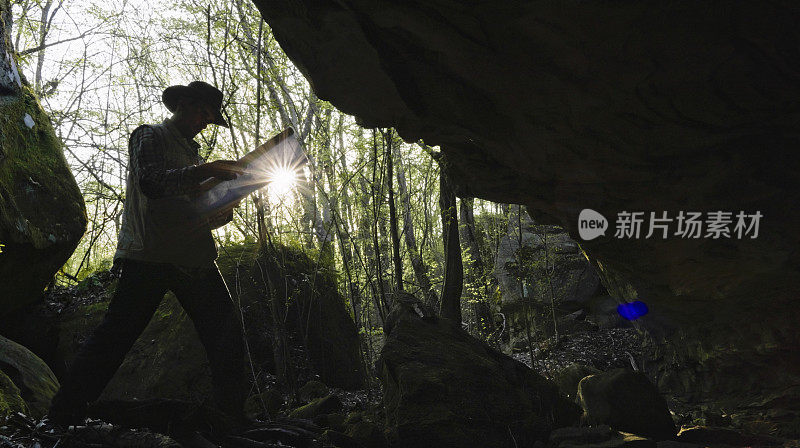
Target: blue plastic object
(633,310)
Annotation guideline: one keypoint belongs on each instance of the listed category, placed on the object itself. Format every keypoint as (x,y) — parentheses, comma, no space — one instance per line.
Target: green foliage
(101,87)
(527,262)
(534,265)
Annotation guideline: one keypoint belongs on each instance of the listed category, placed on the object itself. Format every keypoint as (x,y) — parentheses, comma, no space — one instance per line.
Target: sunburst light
(283,179)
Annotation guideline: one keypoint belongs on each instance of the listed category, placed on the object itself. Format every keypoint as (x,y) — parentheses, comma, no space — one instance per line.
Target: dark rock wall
(636,106)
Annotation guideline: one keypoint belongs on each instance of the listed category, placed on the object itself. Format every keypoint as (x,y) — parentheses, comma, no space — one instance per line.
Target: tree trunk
(420,269)
(480,308)
(284,369)
(468,235)
(323,225)
(377,200)
(526,302)
(453,267)
(398,262)
(43,30)
(346,243)
(368,249)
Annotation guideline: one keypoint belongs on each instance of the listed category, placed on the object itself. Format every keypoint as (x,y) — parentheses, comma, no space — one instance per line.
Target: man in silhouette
(165,244)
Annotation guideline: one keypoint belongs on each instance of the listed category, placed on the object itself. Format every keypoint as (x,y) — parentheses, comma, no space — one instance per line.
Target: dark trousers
(205,298)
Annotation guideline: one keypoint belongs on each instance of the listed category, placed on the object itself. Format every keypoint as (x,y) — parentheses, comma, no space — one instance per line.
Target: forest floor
(603,349)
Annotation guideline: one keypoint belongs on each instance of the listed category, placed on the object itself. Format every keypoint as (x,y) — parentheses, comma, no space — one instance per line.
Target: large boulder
(626,401)
(31,380)
(303,288)
(568,378)
(613,106)
(444,388)
(42,214)
(10,399)
(168,360)
(538,264)
(55,327)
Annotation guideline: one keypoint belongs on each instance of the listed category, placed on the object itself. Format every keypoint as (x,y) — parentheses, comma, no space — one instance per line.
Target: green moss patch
(10,400)
(35,382)
(42,213)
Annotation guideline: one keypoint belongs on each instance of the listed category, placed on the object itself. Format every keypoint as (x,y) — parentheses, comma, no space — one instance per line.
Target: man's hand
(220,169)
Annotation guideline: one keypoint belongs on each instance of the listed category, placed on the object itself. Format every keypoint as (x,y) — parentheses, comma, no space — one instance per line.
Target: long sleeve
(148,165)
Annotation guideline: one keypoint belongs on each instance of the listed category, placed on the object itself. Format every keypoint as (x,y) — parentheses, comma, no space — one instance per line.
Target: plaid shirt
(147,164)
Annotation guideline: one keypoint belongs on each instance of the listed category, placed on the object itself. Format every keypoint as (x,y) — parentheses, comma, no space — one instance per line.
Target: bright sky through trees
(99,68)
(101,74)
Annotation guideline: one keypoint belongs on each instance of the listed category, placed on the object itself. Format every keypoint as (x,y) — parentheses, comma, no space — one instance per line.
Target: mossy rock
(42,213)
(354,417)
(369,435)
(313,389)
(567,379)
(627,401)
(325,405)
(10,399)
(339,439)
(35,382)
(334,421)
(304,286)
(167,361)
(270,402)
(442,387)
(573,279)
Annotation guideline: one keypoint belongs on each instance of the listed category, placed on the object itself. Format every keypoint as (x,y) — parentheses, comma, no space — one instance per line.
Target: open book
(281,152)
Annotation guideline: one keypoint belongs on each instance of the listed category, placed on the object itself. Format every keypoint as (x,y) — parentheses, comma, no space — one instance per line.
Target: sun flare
(283,180)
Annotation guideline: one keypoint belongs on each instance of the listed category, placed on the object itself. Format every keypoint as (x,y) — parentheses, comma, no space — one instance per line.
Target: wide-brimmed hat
(196,89)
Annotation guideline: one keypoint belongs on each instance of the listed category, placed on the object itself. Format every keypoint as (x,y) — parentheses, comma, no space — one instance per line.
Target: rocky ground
(605,349)
(602,349)
(320,416)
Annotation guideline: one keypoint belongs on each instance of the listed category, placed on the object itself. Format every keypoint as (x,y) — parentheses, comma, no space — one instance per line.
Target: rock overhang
(616,107)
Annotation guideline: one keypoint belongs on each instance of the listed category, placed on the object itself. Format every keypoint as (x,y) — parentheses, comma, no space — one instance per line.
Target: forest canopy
(367,200)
